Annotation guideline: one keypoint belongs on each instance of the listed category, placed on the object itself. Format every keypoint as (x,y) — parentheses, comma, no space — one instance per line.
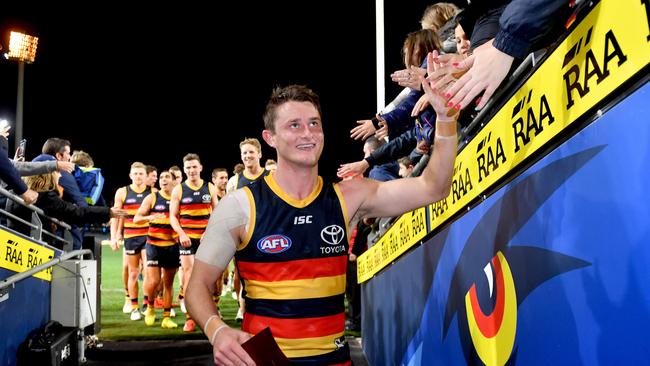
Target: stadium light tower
(22,48)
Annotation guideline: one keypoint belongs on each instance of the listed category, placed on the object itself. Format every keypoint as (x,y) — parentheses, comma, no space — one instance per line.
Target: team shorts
(163,257)
(191,250)
(134,245)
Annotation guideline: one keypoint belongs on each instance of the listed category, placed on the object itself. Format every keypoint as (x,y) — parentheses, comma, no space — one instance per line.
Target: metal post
(380,57)
(19,104)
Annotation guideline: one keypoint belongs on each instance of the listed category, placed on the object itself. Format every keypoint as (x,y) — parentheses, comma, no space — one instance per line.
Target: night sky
(108,78)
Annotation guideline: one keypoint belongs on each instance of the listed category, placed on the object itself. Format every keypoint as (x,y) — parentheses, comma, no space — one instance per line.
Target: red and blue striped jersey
(161,233)
(195,208)
(132,202)
(293,267)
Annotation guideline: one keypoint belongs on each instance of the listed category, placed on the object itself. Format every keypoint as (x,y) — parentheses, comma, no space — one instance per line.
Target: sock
(167,312)
(134,303)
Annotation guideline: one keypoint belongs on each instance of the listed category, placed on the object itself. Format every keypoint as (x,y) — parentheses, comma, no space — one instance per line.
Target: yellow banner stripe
(606,49)
(304,347)
(19,255)
(296,289)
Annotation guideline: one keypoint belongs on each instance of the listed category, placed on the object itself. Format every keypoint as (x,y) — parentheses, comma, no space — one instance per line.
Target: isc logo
(273,244)
(299,220)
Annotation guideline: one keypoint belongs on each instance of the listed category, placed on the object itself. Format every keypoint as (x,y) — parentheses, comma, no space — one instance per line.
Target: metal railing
(36,224)
(11,281)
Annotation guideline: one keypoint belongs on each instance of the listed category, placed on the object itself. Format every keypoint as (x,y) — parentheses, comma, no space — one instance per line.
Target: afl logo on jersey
(130,200)
(186,200)
(273,244)
(332,234)
(160,207)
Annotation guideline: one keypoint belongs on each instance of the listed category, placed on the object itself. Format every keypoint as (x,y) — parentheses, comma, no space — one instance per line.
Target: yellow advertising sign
(607,48)
(19,255)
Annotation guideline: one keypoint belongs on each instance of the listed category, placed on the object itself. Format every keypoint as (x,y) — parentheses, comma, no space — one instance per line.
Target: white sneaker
(127,306)
(135,314)
(182,304)
(240,316)
(172,313)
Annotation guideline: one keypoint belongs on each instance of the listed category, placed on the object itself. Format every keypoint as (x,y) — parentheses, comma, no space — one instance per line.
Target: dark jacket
(529,24)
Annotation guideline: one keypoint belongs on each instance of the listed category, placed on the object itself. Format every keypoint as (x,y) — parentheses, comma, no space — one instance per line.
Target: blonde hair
(82,158)
(41,183)
(137,165)
(251,141)
(436,15)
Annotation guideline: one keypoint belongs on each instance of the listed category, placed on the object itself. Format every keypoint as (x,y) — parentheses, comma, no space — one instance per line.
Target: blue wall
(574,232)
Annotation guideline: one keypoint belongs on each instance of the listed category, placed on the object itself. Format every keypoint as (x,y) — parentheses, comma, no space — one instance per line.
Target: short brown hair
(82,158)
(189,157)
(290,93)
(238,168)
(54,145)
(217,170)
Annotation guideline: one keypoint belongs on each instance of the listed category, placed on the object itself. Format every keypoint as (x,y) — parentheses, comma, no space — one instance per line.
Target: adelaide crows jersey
(131,204)
(293,266)
(243,180)
(195,208)
(161,233)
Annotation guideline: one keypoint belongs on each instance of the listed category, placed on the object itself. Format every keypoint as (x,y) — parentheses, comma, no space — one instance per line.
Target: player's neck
(298,182)
(221,193)
(138,188)
(194,181)
(253,171)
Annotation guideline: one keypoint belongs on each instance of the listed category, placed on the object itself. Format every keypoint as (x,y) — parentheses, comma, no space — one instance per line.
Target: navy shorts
(133,246)
(163,257)
(191,250)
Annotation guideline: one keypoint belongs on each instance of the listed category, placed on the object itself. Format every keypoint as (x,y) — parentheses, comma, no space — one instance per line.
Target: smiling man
(189,209)
(289,235)
(251,154)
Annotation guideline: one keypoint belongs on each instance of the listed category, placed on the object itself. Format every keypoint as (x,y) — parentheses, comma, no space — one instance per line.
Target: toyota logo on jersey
(332,234)
(273,244)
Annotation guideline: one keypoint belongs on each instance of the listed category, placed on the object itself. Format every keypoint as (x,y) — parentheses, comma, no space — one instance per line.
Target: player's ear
(269,137)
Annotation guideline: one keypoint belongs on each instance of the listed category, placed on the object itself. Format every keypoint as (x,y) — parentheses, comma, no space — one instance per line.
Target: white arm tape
(218,245)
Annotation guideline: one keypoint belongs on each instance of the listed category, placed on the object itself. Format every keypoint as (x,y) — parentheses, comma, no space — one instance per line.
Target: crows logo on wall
(494,276)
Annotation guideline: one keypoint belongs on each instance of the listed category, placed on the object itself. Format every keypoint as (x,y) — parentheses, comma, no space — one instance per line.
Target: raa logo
(493,276)
(273,244)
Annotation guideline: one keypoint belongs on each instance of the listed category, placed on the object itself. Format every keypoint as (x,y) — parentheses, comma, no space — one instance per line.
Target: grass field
(115,325)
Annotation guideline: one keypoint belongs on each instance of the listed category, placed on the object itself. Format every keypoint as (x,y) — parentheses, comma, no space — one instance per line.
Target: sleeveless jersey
(293,267)
(161,233)
(243,180)
(195,208)
(131,204)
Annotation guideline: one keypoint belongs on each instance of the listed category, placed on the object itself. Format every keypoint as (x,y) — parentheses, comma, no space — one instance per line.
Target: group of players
(164,227)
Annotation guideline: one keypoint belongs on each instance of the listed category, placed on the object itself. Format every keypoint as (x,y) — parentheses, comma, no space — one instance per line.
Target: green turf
(115,325)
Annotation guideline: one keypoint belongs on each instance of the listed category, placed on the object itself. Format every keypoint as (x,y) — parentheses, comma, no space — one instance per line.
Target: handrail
(20,201)
(10,281)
